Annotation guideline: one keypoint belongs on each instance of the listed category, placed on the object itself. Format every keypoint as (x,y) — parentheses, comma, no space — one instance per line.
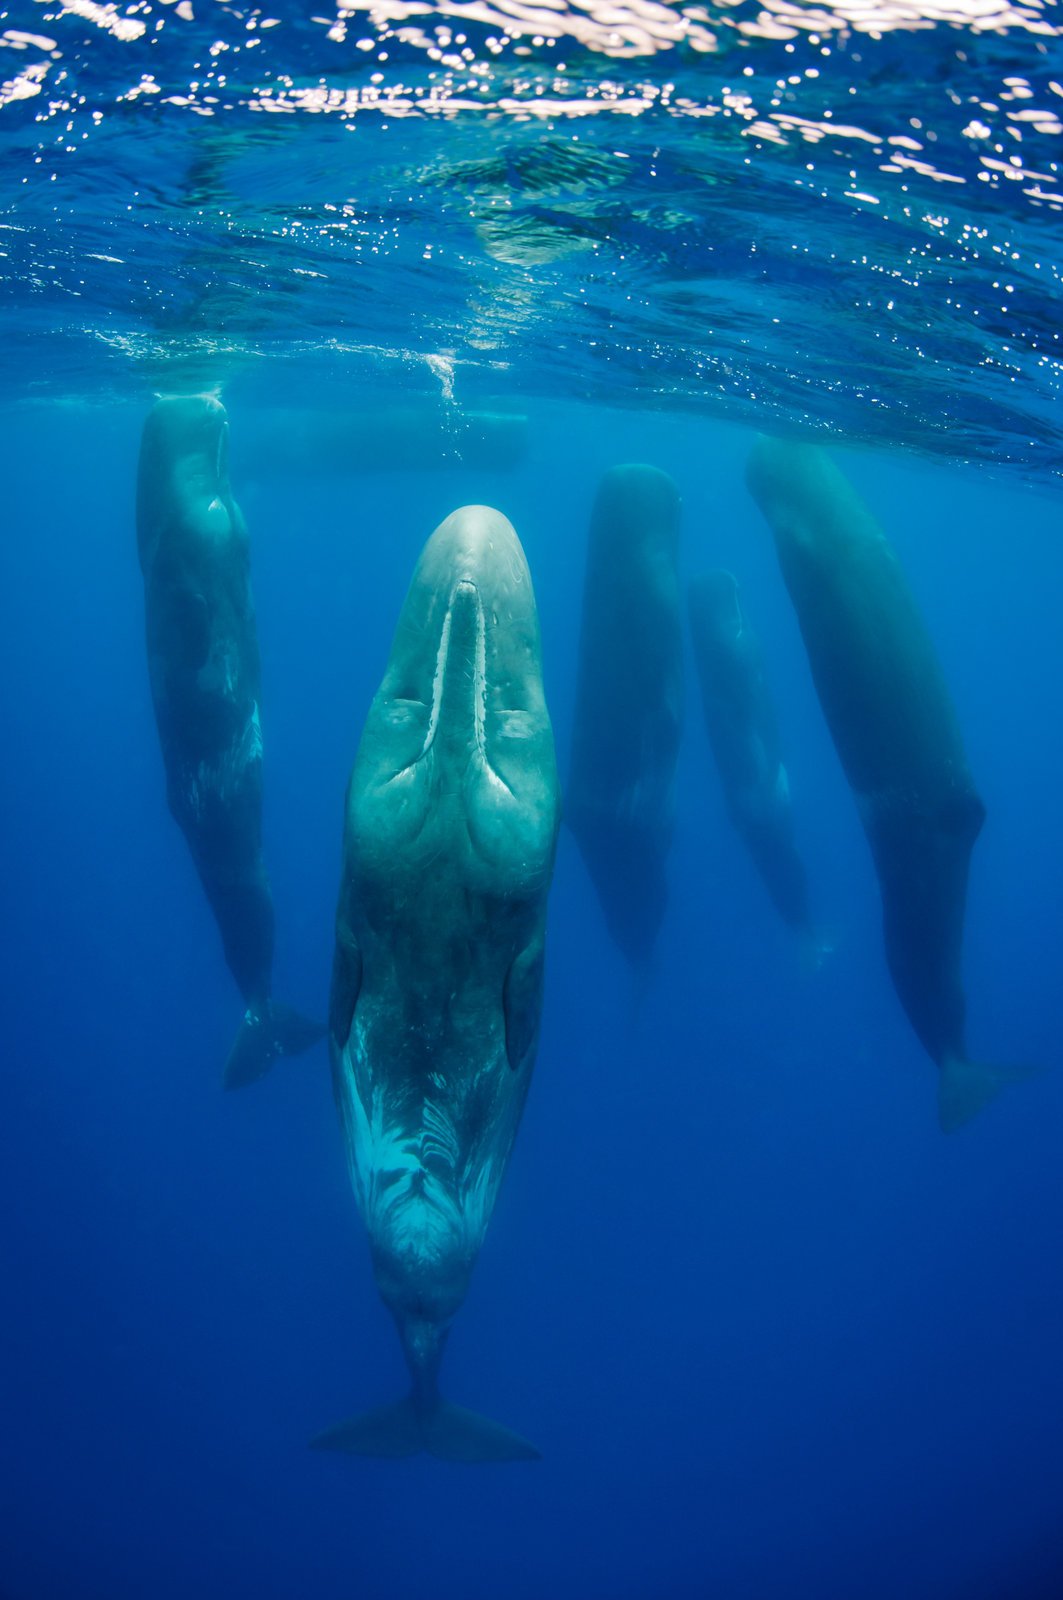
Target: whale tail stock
(964,1087)
(446,1431)
(268,1031)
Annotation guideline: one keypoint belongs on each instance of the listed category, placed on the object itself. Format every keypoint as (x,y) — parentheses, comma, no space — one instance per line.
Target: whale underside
(895,729)
(452,813)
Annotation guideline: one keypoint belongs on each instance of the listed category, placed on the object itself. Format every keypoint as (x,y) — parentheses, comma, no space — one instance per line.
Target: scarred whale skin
(451,825)
(619,801)
(743,732)
(895,730)
(203,665)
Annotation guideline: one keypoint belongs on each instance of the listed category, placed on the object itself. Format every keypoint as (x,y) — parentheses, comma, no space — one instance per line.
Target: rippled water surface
(785,213)
(776,1337)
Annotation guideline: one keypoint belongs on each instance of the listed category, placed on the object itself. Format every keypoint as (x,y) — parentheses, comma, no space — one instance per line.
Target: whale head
(183,473)
(457,754)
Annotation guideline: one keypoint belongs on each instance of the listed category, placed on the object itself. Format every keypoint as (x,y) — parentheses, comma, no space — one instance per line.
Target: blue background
(774,1335)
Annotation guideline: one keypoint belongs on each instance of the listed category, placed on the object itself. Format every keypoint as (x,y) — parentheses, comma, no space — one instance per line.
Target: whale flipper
(267,1033)
(446,1431)
(964,1087)
(521,997)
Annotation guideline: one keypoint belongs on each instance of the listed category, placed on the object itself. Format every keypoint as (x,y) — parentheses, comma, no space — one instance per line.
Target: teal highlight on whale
(451,825)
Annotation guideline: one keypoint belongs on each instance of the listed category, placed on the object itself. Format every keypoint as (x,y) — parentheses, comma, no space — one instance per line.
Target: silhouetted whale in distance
(619,801)
(895,730)
(203,663)
(743,732)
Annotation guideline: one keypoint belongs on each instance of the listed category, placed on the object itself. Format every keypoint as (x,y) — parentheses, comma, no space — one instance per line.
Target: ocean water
(775,1336)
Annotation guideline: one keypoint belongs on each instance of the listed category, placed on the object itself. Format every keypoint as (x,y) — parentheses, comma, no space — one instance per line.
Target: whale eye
(213,522)
(514,725)
(401,713)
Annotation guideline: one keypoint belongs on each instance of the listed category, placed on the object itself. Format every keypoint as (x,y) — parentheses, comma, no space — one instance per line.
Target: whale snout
(471,594)
(182,426)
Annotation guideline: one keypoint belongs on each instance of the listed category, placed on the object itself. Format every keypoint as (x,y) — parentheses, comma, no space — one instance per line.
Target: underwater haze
(771,1331)
(775,1336)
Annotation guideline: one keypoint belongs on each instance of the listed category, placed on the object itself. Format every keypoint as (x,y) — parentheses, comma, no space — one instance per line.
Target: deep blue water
(774,1335)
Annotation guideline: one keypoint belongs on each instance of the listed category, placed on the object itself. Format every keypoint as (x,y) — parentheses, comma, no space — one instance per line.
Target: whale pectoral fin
(522,1002)
(346,983)
(964,1087)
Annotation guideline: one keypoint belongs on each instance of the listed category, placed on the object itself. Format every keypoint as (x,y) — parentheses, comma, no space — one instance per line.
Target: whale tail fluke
(815,948)
(446,1431)
(389,1431)
(964,1087)
(454,1434)
(642,976)
(267,1033)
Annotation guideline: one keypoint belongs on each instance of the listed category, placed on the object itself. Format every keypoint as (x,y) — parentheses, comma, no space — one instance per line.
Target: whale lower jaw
(470,669)
(469,594)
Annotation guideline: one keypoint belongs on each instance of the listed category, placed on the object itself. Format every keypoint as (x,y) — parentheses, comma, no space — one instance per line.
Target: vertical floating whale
(629,703)
(743,733)
(451,824)
(203,664)
(892,721)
